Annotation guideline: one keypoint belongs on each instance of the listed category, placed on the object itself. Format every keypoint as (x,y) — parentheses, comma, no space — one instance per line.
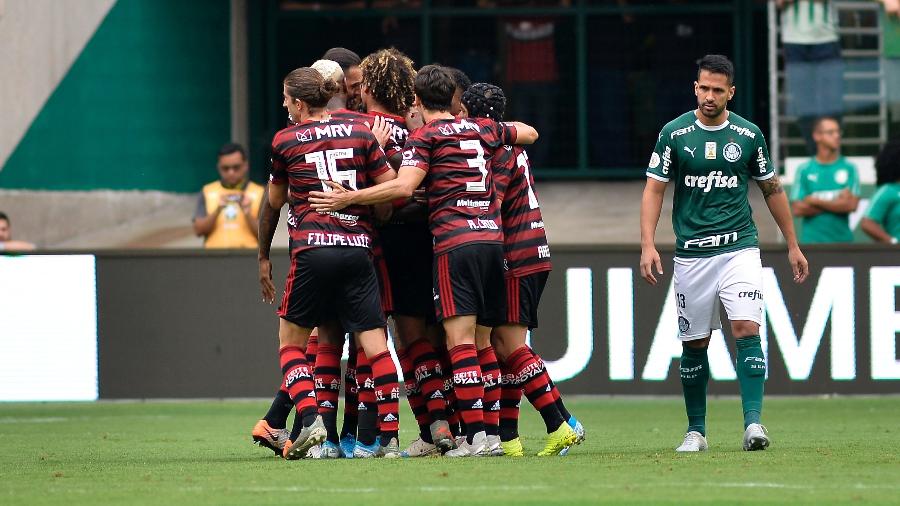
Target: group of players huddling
(421,208)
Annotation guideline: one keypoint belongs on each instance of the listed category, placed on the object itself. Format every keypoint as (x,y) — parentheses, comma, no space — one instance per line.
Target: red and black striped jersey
(455,154)
(397,124)
(525,245)
(307,154)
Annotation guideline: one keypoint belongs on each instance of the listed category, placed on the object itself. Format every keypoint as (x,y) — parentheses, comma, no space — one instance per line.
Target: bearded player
(710,154)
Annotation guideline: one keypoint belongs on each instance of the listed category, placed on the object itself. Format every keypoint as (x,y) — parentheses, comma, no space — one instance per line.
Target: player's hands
(335,200)
(649,260)
(265,280)
(381,130)
(799,265)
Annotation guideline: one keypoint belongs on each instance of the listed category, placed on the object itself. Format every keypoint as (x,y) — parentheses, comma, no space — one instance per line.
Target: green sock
(751,373)
(694,378)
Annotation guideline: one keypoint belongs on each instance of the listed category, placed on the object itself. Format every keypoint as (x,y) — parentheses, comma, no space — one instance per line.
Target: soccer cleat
(361,451)
(693,442)
(513,448)
(348,443)
(494,446)
(420,448)
(558,440)
(478,448)
(326,450)
(309,437)
(391,450)
(579,431)
(273,439)
(756,437)
(441,435)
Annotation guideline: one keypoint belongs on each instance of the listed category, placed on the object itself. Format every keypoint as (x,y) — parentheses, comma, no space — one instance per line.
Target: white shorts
(735,278)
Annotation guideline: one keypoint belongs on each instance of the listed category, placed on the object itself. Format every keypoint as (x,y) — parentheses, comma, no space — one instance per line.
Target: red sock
(428,377)
(553,391)
(490,376)
(536,384)
(298,379)
(312,349)
(368,410)
(413,395)
(387,394)
(468,387)
(328,386)
(510,398)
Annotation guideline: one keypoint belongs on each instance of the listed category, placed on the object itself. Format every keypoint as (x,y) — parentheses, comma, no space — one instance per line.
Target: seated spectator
(6,241)
(882,220)
(826,188)
(228,209)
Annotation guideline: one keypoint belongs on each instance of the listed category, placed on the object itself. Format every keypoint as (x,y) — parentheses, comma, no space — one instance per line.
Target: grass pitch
(825,451)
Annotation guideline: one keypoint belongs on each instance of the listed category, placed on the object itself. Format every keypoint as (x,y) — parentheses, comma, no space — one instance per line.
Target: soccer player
(352,79)
(462,82)
(332,279)
(882,220)
(710,154)
(826,188)
(388,78)
(449,155)
(528,266)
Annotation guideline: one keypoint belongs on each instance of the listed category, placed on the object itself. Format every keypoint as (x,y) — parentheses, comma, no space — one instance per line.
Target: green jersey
(711,167)
(885,209)
(825,181)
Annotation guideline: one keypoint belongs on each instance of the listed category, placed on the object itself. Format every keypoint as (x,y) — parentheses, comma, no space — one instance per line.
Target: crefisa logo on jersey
(731,152)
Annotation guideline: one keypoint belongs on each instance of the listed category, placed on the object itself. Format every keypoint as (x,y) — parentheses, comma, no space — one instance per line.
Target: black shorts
(333,284)
(409,252)
(469,281)
(523,295)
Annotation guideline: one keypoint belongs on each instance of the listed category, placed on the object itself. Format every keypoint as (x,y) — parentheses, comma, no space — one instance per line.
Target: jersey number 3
(476,163)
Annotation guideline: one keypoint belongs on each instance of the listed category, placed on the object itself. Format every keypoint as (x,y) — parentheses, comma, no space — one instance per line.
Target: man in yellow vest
(228,209)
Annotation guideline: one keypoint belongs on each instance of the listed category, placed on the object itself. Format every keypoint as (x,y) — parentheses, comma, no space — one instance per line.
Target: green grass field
(835,451)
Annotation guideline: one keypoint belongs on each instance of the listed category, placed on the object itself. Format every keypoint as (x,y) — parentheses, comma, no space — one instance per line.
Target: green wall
(145,106)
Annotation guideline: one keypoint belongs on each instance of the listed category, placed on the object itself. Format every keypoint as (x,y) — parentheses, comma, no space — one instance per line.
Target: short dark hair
(821,119)
(460,78)
(232,147)
(483,100)
(716,64)
(343,56)
(3,216)
(887,163)
(435,87)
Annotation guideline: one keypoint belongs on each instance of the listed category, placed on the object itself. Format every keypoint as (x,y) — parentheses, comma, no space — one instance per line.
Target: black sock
(279,410)
(367,430)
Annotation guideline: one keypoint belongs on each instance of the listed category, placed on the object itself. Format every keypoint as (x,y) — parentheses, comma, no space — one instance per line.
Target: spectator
(882,220)
(6,241)
(228,209)
(890,56)
(826,188)
(813,67)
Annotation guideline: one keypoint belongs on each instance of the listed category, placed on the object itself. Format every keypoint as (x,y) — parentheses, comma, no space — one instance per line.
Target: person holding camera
(228,209)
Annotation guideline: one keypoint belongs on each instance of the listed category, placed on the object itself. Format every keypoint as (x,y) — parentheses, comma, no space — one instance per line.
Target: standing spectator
(812,63)
(882,220)
(826,188)
(228,209)
(6,241)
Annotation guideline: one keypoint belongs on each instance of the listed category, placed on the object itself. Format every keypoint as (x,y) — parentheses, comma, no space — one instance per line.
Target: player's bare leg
(751,373)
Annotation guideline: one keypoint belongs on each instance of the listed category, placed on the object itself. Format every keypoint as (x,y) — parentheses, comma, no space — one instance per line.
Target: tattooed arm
(778,205)
(268,222)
